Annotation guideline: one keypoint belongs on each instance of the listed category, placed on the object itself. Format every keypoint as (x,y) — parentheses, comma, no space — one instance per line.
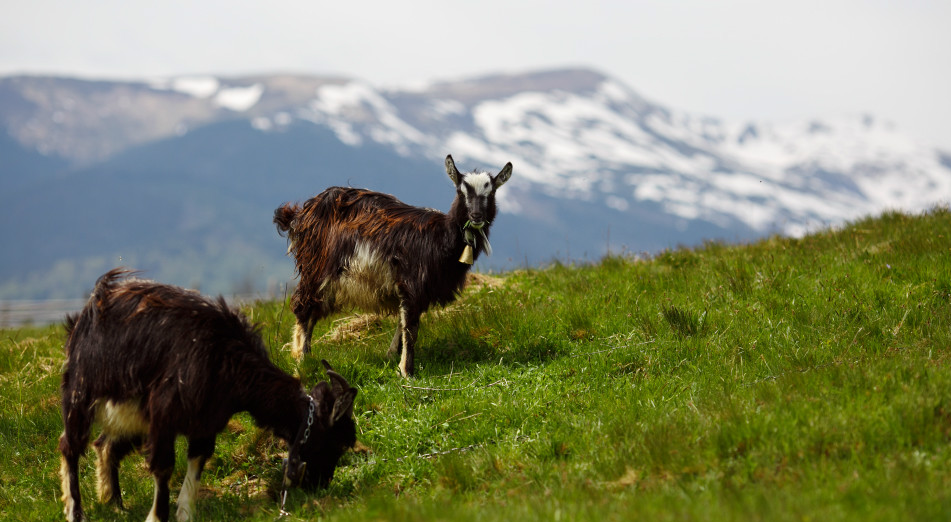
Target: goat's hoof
(183,515)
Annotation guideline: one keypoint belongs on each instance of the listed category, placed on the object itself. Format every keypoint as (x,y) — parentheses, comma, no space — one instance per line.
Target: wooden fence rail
(17,313)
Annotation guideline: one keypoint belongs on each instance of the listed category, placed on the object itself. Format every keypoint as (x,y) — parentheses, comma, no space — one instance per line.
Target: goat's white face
(477,190)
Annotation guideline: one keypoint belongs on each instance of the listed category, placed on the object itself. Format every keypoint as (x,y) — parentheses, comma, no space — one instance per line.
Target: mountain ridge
(196,164)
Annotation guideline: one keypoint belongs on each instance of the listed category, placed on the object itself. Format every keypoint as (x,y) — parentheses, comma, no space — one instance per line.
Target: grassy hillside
(790,379)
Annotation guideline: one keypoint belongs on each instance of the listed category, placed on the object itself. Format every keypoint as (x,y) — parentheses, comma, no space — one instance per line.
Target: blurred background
(162,135)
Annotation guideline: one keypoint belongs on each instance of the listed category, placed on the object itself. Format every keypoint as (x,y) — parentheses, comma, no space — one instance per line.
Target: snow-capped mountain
(181,174)
(582,136)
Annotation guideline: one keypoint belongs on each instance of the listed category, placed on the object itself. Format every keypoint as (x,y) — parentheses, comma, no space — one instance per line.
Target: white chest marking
(122,419)
(367,284)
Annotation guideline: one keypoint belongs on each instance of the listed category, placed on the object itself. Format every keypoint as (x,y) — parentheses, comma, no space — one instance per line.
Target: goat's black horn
(339,383)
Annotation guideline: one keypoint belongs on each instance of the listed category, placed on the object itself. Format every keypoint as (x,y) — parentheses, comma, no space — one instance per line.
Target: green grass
(789,379)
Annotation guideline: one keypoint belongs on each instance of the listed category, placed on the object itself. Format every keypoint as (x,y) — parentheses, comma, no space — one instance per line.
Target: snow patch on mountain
(355,111)
(589,138)
(239,99)
(608,144)
(578,136)
(277,121)
(857,154)
(197,86)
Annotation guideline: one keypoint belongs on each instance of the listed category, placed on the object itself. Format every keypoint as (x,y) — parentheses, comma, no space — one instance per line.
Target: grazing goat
(367,250)
(152,361)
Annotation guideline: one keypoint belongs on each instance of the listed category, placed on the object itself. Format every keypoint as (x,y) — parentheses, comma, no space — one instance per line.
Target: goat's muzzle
(294,472)
(475,224)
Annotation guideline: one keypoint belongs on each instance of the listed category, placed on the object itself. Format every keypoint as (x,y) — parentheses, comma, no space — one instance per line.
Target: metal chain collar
(310,419)
(310,422)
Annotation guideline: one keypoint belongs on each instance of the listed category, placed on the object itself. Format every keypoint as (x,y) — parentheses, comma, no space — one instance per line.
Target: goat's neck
(277,402)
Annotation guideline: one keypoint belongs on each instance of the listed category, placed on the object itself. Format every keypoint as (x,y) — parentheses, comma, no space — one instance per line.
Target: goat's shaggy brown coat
(153,361)
(354,248)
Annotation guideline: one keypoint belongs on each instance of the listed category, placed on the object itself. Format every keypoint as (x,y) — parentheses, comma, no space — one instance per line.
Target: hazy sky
(739,60)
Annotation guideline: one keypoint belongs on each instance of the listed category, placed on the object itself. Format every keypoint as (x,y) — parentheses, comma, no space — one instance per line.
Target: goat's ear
(453,171)
(337,382)
(343,394)
(343,406)
(503,175)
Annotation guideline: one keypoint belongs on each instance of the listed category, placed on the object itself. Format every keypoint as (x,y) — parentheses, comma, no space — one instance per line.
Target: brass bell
(466,256)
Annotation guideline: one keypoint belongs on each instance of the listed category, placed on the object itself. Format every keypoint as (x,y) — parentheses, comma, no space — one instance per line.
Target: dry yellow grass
(358,326)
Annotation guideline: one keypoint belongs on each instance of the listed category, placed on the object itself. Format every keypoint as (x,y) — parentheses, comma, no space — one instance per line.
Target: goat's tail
(284,218)
(106,284)
(98,300)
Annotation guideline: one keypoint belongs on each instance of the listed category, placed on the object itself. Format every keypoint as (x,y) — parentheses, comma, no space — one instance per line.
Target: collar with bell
(469,238)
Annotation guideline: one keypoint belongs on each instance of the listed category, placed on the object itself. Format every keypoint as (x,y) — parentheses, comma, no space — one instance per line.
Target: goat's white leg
(297,344)
(103,447)
(409,326)
(186,498)
(161,464)
(396,346)
(70,502)
(302,334)
(199,451)
(153,513)
(72,444)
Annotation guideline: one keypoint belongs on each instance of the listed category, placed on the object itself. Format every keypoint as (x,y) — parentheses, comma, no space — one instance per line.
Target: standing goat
(153,361)
(367,250)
